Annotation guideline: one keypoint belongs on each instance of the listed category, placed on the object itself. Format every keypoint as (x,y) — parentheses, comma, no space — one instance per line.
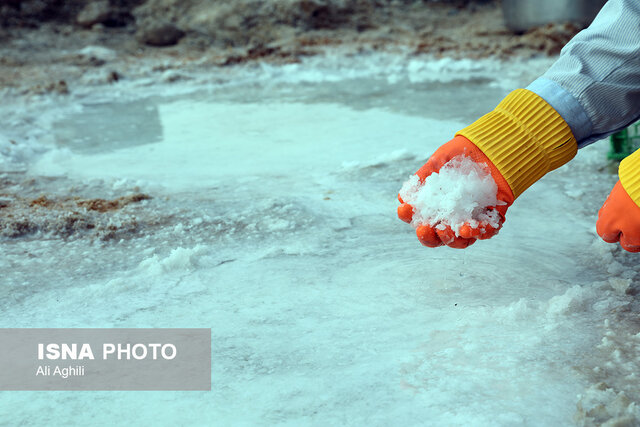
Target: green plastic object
(624,142)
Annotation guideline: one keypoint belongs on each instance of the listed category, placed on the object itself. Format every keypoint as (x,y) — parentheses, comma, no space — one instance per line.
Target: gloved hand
(619,220)
(430,235)
(521,140)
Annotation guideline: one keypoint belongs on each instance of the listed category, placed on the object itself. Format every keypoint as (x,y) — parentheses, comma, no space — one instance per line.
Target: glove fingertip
(405,212)
(610,237)
(487,231)
(468,232)
(446,234)
(627,245)
(428,237)
(461,242)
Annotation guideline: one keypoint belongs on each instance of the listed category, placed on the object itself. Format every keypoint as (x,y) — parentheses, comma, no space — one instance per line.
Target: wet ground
(269,216)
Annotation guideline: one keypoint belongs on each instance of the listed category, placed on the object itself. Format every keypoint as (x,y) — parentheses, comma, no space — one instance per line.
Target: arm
(595,84)
(592,91)
(595,87)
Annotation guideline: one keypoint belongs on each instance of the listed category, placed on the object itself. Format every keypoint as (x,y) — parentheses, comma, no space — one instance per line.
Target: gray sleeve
(595,84)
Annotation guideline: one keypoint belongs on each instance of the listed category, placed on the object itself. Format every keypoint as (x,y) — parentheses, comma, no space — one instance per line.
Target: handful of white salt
(461,192)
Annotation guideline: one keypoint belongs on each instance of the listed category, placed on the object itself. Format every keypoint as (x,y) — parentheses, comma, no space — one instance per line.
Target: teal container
(624,142)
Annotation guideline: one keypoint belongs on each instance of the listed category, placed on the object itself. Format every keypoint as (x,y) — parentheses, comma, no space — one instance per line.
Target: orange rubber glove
(521,140)
(433,236)
(619,220)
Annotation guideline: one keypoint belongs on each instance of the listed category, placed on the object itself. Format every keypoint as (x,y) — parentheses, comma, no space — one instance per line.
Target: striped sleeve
(595,83)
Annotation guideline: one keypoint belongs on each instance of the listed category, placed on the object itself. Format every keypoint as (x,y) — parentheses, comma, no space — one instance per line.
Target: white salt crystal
(461,192)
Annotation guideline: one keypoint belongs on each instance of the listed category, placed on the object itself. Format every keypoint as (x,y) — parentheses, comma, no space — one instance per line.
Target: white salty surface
(277,229)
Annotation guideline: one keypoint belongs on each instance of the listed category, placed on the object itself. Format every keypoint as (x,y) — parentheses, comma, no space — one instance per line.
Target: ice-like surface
(201,143)
(273,222)
(460,192)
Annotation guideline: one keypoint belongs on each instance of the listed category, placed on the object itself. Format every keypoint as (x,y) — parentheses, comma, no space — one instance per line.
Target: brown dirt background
(38,38)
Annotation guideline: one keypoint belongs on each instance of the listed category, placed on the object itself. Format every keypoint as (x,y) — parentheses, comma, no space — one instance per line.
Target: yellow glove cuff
(629,173)
(524,137)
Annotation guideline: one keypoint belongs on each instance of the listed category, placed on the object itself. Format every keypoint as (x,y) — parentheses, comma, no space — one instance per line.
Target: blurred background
(286,30)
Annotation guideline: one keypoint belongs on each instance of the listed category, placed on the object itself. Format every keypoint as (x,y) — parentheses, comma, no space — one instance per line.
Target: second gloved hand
(619,220)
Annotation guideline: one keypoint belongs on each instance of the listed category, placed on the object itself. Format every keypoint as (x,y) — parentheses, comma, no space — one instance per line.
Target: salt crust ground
(324,308)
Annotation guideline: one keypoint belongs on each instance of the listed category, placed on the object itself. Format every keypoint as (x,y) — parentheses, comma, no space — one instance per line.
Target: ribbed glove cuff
(629,173)
(525,138)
